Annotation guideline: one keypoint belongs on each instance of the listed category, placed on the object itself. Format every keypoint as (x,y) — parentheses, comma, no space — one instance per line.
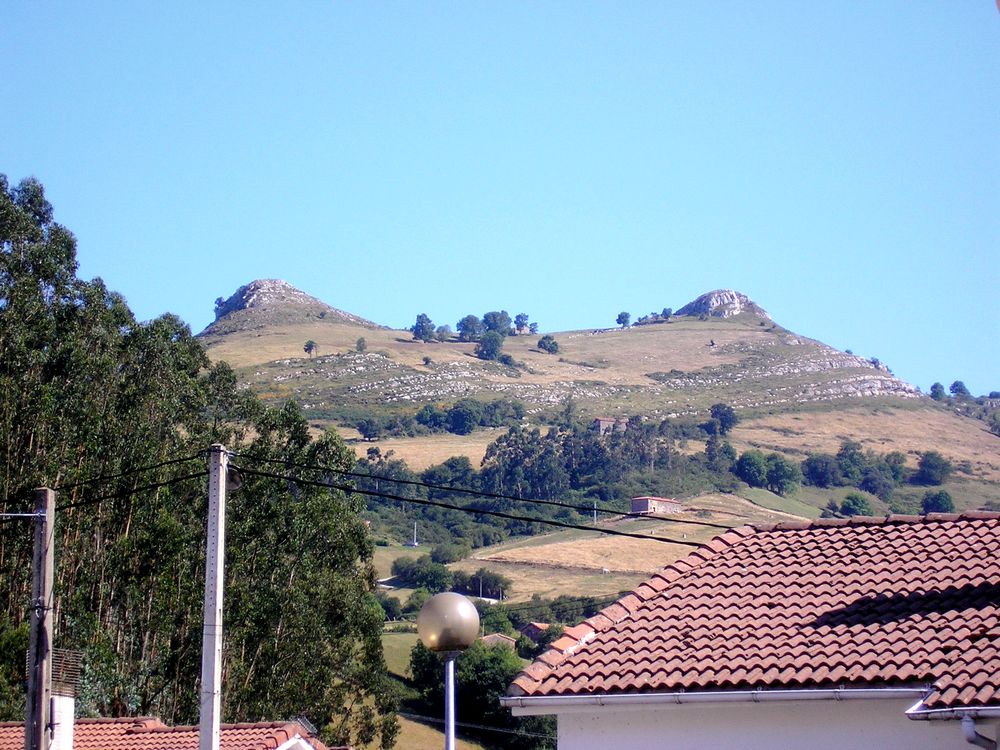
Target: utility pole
(211,635)
(37,714)
(595,512)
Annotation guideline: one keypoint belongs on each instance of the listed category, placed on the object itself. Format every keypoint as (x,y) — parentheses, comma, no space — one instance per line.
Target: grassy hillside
(794,395)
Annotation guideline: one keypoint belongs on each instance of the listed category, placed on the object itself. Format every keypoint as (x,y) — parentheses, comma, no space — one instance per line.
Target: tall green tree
(469,328)
(937,502)
(623,319)
(490,345)
(90,392)
(423,328)
(497,320)
(726,415)
(751,467)
(933,468)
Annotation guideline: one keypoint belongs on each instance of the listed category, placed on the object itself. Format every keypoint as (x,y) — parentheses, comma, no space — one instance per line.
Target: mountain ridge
(269,301)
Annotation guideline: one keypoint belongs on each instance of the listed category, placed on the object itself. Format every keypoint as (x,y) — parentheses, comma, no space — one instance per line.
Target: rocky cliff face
(723,303)
(269,301)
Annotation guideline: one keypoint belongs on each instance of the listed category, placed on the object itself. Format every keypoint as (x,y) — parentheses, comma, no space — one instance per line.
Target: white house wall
(810,725)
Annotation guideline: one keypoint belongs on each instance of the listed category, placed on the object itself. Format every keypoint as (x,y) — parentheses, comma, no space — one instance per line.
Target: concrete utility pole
(211,637)
(37,713)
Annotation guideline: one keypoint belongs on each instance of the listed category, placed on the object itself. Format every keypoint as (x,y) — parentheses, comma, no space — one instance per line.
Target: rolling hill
(794,394)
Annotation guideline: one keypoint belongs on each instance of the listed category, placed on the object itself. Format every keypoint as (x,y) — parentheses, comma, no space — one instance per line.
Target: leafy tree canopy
(490,345)
(469,328)
(498,321)
(937,502)
(548,344)
(752,468)
(623,319)
(88,391)
(423,328)
(856,504)
(932,469)
(959,390)
(726,416)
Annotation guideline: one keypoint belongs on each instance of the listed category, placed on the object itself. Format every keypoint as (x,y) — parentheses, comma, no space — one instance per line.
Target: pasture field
(882,429)
(397,648)
(416,735)
(585,563)
(383,557)
(428,450)
(795,505)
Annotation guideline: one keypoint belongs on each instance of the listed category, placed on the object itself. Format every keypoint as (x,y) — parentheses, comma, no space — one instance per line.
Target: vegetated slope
(675,367)
(728,350)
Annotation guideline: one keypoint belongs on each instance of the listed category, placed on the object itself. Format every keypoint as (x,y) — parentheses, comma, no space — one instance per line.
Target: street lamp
(448,624)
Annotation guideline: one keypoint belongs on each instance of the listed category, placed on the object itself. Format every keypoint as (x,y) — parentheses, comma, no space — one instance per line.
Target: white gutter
(932,714)
(551,704)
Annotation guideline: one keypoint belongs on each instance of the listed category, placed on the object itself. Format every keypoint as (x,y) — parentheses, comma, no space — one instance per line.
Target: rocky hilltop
(720,347)
(723,303)
(268,302)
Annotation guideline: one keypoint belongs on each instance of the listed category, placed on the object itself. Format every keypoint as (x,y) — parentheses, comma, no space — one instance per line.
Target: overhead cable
(478,493)
(128,493)
(127,472)
(463,509)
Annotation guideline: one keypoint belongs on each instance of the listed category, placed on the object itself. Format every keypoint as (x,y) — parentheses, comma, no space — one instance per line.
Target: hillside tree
(498,321)
(726,416)
(937,502)
(490,345)
(548,344)
(89,391)
(423,328)
(623,319)
(469,328)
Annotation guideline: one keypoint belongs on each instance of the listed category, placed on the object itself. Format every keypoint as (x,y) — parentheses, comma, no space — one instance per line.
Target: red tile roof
(866,602)
(152,734)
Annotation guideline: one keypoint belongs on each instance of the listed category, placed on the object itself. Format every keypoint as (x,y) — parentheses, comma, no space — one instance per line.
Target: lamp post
(448,624)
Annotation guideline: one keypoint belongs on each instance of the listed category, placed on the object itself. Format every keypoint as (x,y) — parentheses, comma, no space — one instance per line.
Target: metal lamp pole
(448,624)
(449,699)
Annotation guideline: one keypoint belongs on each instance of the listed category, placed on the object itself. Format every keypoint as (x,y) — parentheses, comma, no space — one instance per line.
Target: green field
(397,648)
(792,505)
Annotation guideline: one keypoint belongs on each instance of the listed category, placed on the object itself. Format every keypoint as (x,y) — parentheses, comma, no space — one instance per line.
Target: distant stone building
(655,505)
(534,630)
(499,639)
(607,425)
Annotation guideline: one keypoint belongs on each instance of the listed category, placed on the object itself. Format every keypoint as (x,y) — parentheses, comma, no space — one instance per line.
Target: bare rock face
(264,293)
(272,301)
(723,303)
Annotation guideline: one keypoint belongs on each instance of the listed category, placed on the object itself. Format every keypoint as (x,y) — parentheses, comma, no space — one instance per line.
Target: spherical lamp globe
(448,622)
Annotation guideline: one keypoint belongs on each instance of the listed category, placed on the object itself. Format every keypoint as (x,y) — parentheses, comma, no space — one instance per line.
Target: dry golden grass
(428,450)
(572,562)
(880,429)
(413,735)
(551,582)
(620,357)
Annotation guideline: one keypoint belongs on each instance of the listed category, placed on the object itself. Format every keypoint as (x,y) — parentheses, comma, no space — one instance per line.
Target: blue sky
(837,162)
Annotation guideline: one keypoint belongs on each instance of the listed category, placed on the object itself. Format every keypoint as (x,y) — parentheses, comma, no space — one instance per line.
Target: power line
(467,725)
(127,472)
(462,509)
(128,493)
(478,493)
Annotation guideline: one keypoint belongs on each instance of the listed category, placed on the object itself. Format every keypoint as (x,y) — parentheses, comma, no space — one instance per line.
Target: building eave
(558,704)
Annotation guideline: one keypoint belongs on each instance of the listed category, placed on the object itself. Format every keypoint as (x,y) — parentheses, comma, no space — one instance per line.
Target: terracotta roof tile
(860,602)
(146,733)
